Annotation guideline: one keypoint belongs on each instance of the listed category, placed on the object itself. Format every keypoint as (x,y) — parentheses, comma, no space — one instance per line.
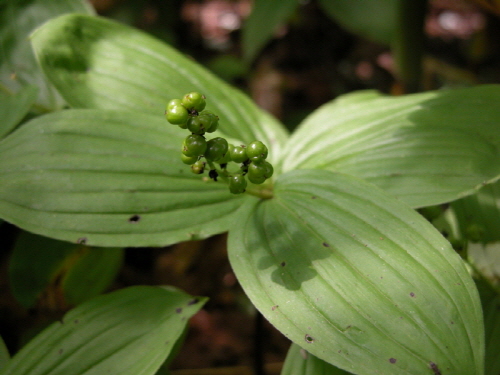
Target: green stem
(409,43)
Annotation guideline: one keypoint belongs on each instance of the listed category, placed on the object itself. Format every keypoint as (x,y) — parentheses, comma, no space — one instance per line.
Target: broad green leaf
(357,278)
(374,19)
(264,19)
(108,178)
(98,63)
(425,148)
(299,362)
(4,355)
(55,273)
(14,107)
(128,332)
(18,67)
(479,214)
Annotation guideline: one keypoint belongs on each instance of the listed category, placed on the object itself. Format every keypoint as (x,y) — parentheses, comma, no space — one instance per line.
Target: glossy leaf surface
(358,278)
(18,66)
(128,332)
(98,63)
(108,178)
(425,149)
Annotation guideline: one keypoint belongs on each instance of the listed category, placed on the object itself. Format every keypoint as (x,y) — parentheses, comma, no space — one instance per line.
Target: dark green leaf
(18,67)
(128,332)
(108,178)
(300,362)
(42,270)
(358,278)
(98,63)
(14,107)
(4,355)
(425,149)
(265,18)
(374,19)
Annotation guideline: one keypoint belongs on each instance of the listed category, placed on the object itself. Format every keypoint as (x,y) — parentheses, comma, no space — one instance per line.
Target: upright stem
(409,43)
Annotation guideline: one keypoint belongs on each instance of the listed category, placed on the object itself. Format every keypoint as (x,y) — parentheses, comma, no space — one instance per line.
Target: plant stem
(409,43)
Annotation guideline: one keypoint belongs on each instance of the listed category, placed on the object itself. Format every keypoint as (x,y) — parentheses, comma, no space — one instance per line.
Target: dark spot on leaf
(340,351)
(134,219)
(325,244)
(434,368)
(412,294)
(60,351)
(193,301)
(178,310)
(392,360)
(76,321)
(81,241)
(452,322)
(274,307)
(309,339)
(314,197)
(283,264)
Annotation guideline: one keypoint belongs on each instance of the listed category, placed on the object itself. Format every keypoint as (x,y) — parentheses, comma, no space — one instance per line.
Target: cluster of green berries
(189,113)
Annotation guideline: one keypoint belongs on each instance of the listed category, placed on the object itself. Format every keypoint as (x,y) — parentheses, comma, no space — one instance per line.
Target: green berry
(216,149)
(238,154)
(194,101)
(226,158)
(177,115)
(258,172)
(209,120)
(237,184)
(173,103)
(194,145)
(189,159)
(198,167)
(196,126)
(256,151)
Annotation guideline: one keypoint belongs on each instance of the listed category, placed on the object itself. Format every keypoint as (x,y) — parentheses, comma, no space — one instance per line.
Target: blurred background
(290,61)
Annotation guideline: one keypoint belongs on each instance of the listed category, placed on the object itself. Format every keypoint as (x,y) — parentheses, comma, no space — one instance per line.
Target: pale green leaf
(108,178)
(59,271)
(373,19)
(98,63)
(128,332)
(425,148)
(4,355)
(299,362)
(18,67)
(264,19)
(14,107)
(357,278)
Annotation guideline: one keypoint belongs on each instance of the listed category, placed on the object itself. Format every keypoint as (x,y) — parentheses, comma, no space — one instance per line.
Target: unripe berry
(194,101)
(194,145)
(237,184)
(177,115)
(189,159)
(173,103)
(238,154)
(198,167)
(259,171)
(256,151)
(216,149)
(195,126)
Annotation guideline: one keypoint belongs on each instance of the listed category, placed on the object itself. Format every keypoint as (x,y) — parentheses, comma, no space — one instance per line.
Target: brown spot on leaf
(81,241)
(178,310)
(193,301)
(309,339)
(274,307)
(326,244)
(392,360)
(412,294)
(283,264)
(434,368)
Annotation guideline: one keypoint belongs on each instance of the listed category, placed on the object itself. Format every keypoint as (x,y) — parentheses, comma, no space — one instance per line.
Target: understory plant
(330,248)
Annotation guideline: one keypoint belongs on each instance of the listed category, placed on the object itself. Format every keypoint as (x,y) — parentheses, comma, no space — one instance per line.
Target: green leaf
(4,355)
(265,18)
(425,149)
(479,214)
(374,19)
(130,331)
(41,268)
(108,178)
(98,63)
(357,278)
(18,67)
(14,107)
(299,362)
